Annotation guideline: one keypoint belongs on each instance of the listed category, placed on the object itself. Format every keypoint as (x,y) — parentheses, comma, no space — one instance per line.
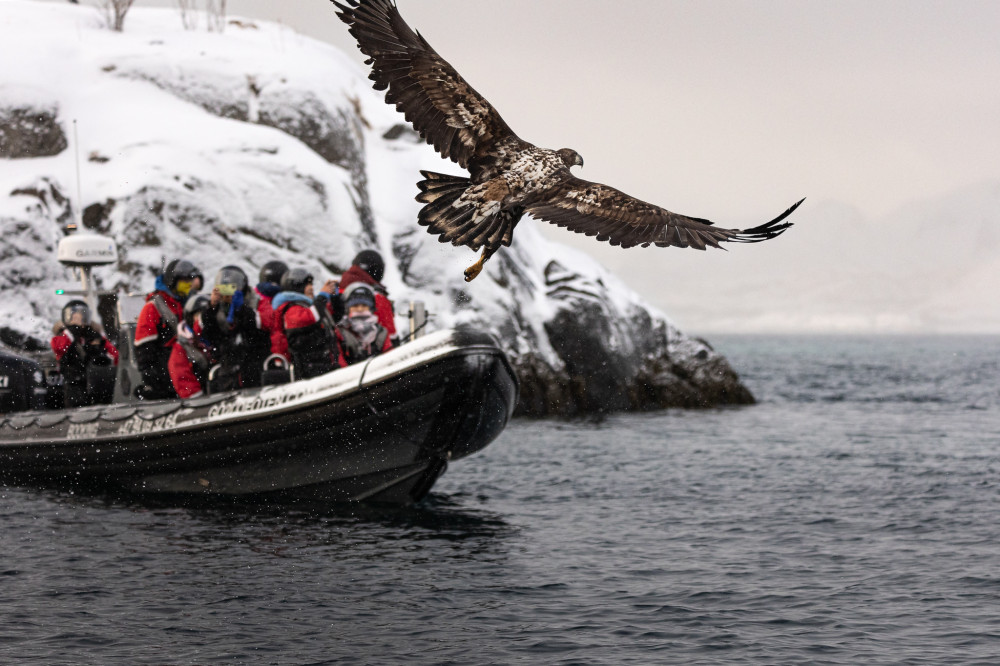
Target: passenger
(360,335)
(191,359)
(156,330)
(369,268)
(80,346)
(232,327)
(269,287)
(197,284)
(307,323)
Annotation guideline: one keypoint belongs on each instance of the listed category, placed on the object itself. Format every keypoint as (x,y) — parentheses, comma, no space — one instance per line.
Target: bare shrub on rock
(216,13)
(115,11)
(189,14)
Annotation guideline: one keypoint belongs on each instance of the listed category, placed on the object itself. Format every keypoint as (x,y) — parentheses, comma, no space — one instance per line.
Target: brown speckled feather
(445,110)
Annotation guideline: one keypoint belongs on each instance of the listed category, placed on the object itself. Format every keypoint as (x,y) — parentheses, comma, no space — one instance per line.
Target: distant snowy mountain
(261,144)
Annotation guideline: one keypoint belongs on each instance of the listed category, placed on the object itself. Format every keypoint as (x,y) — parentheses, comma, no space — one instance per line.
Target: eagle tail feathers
(441,217)
(462,225)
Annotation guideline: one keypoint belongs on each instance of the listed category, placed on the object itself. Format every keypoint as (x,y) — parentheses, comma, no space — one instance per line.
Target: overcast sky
(726,109)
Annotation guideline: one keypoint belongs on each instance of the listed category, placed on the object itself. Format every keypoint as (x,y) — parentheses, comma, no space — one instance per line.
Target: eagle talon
(473,271)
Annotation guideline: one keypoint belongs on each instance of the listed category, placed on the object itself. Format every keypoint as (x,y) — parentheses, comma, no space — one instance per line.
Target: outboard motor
(22,384)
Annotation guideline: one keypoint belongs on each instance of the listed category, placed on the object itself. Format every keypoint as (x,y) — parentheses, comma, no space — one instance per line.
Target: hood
(290,297)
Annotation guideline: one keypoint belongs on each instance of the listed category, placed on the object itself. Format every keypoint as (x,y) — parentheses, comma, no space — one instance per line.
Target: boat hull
(383,431)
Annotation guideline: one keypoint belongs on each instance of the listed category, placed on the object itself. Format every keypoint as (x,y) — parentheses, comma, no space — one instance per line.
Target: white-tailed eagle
(508,177)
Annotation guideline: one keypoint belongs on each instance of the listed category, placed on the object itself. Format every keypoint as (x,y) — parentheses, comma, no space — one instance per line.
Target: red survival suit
(191,359)
(309,342)
(271,325)
(76,348)
(155,334)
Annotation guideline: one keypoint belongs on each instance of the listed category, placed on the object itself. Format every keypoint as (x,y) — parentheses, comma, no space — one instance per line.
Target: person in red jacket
(269,287)
(191,357)
(307,323)
(368,268)
(360,335)
(79,345)
(156,329)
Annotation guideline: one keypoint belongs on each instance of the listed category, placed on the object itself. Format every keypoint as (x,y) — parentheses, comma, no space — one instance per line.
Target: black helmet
(195,306)
(74,307)
(371,262)
(231,279)
(359,293)
(180,269)
(296,280)
(272,272)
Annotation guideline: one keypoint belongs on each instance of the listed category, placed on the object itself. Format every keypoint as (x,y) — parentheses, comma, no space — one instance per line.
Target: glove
(236,305)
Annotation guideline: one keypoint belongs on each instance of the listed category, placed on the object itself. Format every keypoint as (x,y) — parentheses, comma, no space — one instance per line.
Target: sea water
(851,517)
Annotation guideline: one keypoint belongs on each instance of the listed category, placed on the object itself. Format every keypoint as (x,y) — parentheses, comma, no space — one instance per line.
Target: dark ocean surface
(852,517)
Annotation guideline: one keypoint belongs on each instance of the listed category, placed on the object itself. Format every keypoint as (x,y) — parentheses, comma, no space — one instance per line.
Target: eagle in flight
(508,177)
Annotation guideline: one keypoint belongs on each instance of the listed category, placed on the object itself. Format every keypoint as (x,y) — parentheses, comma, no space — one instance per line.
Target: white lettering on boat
(140,426)
(82,430)
(256,403)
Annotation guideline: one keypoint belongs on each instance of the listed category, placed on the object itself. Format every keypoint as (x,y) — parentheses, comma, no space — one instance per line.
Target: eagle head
(570,157)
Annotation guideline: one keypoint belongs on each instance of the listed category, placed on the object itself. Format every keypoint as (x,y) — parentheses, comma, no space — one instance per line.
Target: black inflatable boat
(380,431)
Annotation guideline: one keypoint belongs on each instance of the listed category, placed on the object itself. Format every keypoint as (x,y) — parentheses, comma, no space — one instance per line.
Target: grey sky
(726,109)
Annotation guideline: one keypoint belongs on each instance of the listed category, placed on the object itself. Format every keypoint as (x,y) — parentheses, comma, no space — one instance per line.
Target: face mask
(183,287)
(365,326)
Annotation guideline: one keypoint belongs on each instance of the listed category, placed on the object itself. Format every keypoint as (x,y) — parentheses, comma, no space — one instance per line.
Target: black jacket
(240,347)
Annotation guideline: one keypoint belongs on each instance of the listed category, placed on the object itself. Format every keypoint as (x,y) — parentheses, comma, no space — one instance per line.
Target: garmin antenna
(84,251)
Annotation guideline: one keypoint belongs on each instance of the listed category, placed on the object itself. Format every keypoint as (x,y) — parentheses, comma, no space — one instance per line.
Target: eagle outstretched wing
(508,177)
(446,111)
(613,216)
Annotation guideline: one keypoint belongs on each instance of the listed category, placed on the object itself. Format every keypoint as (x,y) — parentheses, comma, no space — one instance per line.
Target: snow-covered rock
(261,144)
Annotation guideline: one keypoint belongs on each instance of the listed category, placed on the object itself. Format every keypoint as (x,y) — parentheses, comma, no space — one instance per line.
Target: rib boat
(381,431)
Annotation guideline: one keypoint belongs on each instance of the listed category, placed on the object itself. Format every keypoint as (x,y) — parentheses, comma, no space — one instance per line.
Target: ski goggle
(70,312)
(231,277)
(183,287)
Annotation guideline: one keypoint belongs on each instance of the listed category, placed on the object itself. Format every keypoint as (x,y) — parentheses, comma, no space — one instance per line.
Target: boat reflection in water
(381,431)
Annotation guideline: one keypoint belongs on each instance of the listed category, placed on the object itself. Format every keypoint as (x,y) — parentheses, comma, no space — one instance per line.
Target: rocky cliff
(261,144)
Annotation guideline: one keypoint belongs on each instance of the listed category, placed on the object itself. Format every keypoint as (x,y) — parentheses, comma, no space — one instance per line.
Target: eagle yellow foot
(473,271)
